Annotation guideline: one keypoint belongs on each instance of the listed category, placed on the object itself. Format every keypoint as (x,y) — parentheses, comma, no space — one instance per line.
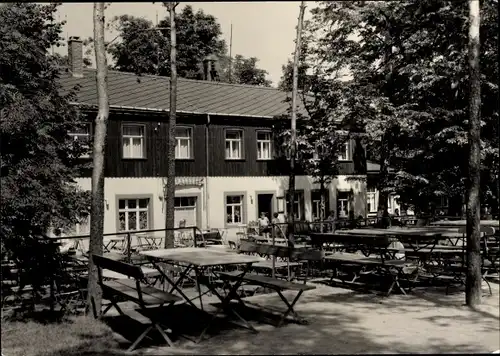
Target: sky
(265,30)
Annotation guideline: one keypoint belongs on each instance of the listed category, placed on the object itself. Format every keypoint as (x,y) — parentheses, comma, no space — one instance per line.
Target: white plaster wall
(218,186)
(138,186)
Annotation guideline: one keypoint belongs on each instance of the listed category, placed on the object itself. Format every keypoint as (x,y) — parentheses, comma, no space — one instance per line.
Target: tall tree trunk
(170,191)
(473,280)
(97,208)
(293,139)
(383,196)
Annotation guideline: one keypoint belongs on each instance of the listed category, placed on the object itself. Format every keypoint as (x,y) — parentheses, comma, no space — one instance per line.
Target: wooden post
(273,237)
(129,246)
(293,138)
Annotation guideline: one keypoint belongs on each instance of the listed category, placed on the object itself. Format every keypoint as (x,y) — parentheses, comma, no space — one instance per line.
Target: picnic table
(199,260)
(459,223)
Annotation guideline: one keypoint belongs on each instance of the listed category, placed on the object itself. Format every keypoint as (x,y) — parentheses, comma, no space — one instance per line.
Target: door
(185,209)
(265,205)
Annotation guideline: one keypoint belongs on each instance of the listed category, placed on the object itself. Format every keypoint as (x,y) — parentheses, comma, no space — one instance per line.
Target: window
(133,214)
(443,202)
(371,204)
(185,202)
(316,205)
(263,145)
(234,209)
(345,154)
(318,151)
(133,141)
(298,205)
(83,136)
(343,204)
(183,143)
(234,144)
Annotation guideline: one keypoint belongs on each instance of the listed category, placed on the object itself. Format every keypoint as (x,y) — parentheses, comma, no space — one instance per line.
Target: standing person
(264,225)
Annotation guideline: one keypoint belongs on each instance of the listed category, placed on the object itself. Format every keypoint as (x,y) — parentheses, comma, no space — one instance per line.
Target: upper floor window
(264,145)
(183,143)
(133,141)
(345,152)
(83,136)
(234,144)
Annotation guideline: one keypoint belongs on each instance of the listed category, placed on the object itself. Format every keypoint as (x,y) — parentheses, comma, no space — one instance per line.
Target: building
(228,169)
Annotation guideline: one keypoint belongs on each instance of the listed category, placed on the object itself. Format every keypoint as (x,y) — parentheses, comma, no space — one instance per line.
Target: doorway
(265,204)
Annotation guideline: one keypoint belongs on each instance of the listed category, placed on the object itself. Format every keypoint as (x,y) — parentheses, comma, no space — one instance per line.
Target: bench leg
(290,307)
(139,339)
(113,304)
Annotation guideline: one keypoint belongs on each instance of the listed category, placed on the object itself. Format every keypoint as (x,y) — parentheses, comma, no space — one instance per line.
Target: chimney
(210,68)
(75,56)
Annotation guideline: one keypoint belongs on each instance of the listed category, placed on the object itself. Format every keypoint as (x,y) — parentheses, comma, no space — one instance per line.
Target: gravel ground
(347,322)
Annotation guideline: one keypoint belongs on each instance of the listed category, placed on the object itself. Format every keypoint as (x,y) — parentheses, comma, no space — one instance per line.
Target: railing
(129,234)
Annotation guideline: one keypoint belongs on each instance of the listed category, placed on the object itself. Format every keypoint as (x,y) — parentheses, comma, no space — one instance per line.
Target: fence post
(129,244)
(194,237)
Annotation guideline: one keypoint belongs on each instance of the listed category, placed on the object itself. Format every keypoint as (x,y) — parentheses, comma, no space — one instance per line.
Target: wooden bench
(131,289)
(277,285)
(359,265)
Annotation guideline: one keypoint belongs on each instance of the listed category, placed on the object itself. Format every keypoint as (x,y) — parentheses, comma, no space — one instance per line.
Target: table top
(421,231)
(200,257)
(278,264)
(458,223)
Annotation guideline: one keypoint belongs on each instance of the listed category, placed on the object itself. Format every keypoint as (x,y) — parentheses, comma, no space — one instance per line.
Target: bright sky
(265,30)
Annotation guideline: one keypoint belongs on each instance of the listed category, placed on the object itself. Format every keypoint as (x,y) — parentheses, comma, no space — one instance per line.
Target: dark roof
(148,92)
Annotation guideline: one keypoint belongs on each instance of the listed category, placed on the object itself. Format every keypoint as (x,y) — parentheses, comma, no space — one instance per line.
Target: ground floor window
(298,205)
(133,214)
(371,204)
(343,204)
(234,209)
(316,205)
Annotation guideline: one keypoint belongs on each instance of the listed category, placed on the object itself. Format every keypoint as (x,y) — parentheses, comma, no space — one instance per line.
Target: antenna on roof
(231,55)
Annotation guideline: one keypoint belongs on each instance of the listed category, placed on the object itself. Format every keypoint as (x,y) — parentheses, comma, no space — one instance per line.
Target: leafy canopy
(144,49)
(38,158)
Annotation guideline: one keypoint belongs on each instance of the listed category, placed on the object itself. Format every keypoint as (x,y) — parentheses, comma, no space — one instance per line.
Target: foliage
(244,71)
(145,50)
(142,49)
(38,157)
(409,88)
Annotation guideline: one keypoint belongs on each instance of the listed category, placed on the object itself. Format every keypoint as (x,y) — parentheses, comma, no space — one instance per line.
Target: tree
(473,281)
(170,191)
(244,71)
(39,160)
(293,140)
(408,90)
(101,121)
(145,51)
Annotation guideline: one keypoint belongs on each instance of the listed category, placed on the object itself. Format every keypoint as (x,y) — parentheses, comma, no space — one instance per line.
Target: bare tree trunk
(97,208)
(473,281)
(293,139)
(170,191)
(382,208)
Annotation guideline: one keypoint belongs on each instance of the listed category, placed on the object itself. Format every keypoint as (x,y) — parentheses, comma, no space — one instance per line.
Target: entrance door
(265,204)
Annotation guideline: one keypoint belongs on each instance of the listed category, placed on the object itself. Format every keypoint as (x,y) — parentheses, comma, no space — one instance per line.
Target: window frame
(259,142)
(136,198)
(371,192)
(122,137)
(242,144)
(347,151)
(327,202)
(301,204)
(348,200)
(191,142)
(243,196)
(75,136)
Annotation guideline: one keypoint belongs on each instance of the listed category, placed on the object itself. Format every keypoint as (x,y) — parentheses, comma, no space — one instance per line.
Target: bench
(394,269)
(277,285)
(131,289)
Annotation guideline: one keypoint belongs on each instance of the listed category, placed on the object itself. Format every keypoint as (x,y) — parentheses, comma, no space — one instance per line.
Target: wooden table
(460,223)
(199,259)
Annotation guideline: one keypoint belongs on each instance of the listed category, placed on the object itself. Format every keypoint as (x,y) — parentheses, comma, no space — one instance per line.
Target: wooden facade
(154,163)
